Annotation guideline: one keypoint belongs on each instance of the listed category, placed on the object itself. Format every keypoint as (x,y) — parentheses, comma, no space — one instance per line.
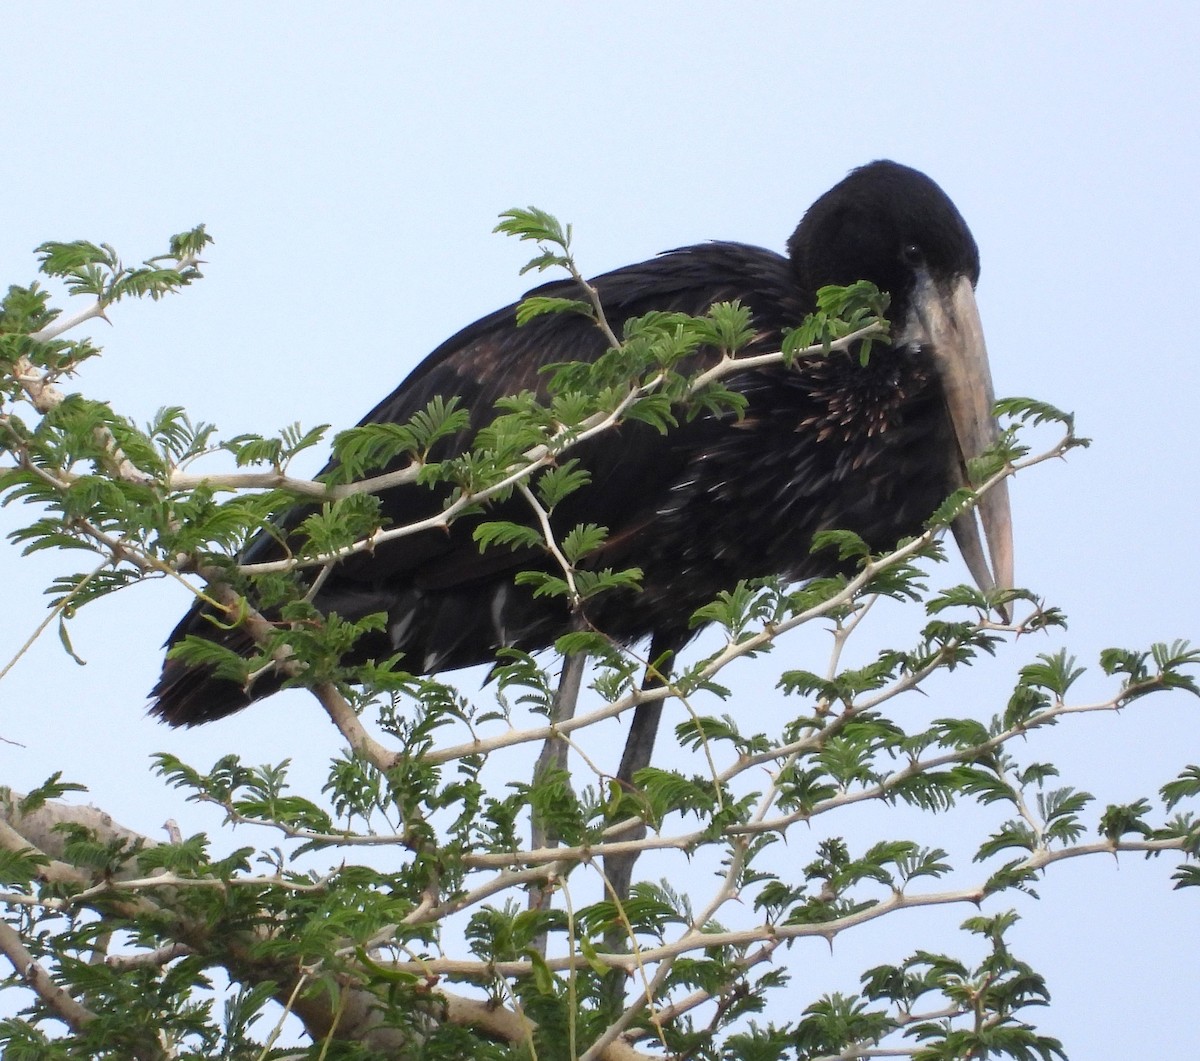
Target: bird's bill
(945,318)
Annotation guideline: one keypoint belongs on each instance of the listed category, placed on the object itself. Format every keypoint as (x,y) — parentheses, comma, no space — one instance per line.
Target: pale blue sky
(351,160)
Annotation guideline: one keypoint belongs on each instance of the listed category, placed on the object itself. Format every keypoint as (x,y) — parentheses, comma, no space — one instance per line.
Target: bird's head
(892,225)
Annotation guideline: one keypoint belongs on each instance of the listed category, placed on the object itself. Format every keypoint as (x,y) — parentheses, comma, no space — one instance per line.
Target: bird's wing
(492,359)
(444,597)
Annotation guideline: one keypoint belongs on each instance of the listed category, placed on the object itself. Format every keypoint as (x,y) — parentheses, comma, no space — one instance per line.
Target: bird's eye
(912,254)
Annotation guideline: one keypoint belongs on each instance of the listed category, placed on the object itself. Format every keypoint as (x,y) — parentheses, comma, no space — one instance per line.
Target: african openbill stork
(828,443)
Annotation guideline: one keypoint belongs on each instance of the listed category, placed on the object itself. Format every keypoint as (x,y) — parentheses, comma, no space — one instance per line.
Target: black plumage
(826,444)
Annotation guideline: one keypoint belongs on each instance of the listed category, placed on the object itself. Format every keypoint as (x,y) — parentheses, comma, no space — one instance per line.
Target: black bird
(826,444)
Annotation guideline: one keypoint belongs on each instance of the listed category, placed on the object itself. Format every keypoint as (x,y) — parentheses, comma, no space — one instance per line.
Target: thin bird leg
(554,757)
(562,708)
(639,746)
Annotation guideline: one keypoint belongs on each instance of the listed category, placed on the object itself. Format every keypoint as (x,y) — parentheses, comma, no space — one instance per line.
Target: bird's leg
(554,757)
(562,708)
(639,746)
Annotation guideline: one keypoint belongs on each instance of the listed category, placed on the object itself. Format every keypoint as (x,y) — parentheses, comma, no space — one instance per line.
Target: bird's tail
(190,695)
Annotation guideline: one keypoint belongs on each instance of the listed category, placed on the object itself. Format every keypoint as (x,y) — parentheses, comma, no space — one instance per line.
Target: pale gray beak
(945,319)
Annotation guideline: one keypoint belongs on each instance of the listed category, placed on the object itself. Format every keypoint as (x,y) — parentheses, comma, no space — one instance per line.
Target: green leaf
(560,481)
(532,223)
(65,639)
(1186,785)
(504,532)
(533,306)
(52,788)
(1121,819)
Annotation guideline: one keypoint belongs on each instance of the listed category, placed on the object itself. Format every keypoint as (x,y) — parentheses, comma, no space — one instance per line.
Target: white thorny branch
(143,894)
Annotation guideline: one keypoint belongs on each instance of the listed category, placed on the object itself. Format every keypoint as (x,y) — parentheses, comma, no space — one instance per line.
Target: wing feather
(448,604)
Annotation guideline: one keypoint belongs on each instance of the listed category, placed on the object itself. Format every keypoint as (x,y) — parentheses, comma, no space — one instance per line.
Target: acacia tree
(424,905)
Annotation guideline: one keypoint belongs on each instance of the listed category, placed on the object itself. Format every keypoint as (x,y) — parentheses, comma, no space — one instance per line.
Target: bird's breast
(830,444)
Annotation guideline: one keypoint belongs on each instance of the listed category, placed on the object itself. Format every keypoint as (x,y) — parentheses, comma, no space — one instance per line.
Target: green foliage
(400,911)
(537,226)
(369,448)
(249,450)
(540,305)
(96,270)
(842,311)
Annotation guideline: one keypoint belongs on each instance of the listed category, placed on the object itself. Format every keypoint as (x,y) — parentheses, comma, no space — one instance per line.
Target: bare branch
(505,1024)
(152,958)
(350,726)
(72,1013)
